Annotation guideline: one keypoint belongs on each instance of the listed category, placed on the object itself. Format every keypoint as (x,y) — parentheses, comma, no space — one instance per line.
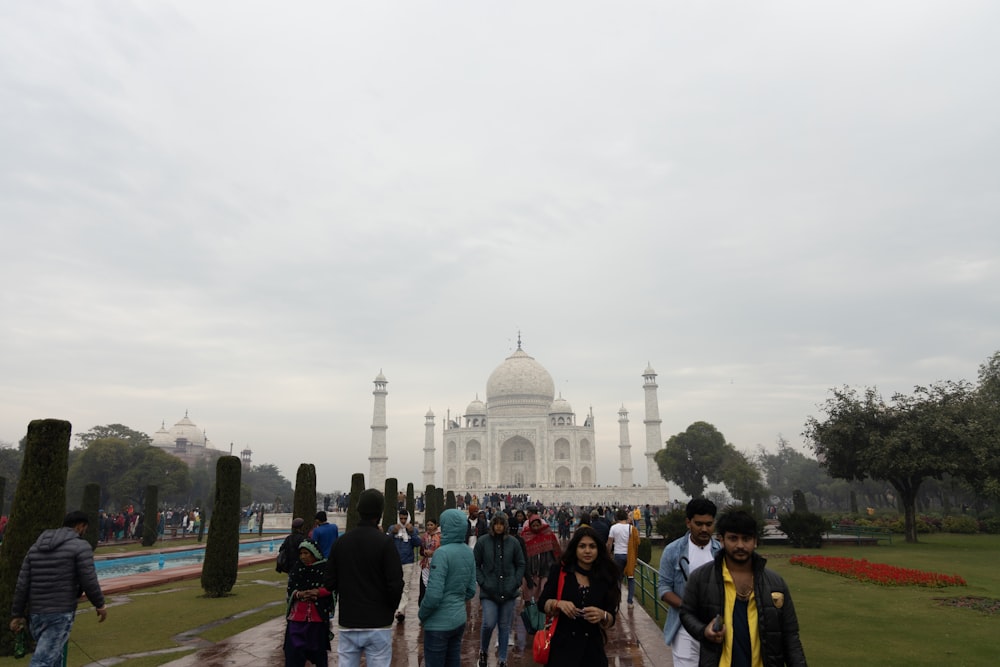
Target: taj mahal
(525,439)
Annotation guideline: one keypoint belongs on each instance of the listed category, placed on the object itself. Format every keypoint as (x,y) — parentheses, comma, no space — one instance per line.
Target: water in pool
(121,567)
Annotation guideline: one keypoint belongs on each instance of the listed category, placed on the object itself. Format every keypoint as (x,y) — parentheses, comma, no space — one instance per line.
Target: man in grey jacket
(58,566)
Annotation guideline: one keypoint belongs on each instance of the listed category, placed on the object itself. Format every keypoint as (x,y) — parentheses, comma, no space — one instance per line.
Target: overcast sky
(247,210)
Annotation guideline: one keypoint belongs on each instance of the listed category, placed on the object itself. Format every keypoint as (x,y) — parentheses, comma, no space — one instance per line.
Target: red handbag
(543,640)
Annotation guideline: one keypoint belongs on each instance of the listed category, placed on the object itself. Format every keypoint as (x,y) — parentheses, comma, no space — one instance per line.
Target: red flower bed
(876,573)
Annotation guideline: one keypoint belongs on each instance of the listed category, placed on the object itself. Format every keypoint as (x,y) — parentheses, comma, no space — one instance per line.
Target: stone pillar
(654,439)
(625,448)
(429,448)
(377,459)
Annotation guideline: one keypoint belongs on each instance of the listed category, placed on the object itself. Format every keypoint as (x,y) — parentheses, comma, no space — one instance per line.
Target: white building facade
(522,437)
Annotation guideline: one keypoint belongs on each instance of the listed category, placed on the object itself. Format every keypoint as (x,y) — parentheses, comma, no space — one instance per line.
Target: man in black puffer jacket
(58,566)
(741,611)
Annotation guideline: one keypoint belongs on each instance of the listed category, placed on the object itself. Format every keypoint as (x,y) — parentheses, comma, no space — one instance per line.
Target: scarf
(304,578)
(633,552)
(542,541)
(431,542)
(402,533)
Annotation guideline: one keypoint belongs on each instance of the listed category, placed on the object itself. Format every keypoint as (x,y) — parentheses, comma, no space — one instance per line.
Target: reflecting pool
(126,565)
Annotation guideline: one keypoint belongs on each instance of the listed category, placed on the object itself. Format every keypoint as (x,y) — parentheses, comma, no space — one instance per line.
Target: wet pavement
(634,640)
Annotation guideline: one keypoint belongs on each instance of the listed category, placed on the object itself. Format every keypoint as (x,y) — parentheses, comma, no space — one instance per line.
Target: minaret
(377,458)
(428,448)
(626,449)
(654,440)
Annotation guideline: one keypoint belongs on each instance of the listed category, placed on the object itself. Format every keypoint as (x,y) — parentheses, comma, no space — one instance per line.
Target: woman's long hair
(604,568)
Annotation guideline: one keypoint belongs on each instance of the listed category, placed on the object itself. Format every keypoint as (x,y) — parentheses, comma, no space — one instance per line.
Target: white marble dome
(520,382)
(185,429)
(476,407)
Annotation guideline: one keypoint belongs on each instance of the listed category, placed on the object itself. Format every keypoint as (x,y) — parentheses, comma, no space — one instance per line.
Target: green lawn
(148,619)
(845,622)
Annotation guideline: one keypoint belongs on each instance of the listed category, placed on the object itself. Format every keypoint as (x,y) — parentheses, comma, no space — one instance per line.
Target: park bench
(862,532)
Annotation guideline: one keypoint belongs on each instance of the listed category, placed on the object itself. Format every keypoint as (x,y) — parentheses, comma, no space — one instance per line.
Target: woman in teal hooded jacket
(452,581)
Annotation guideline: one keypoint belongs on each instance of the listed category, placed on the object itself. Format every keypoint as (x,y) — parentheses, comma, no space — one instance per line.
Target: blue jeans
(443,648)
(496,613)
(51,631)
(376,644)
(622,561)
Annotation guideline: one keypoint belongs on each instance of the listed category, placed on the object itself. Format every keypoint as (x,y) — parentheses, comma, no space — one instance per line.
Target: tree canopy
(789,469)
(700,455)
(984,475)
(742,478)
(115,431)
(124,471)
(693,458)
(266,483)
(903,441)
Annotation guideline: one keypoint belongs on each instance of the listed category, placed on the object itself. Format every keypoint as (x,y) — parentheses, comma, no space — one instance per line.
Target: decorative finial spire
(519,339)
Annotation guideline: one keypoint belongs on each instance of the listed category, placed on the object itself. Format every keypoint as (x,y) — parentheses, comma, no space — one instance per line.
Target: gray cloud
(248,213)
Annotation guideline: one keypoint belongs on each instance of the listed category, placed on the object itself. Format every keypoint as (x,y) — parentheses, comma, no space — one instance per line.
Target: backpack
(282,564)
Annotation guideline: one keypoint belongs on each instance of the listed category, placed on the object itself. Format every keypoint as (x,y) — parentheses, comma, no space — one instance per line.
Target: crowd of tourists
(526,562)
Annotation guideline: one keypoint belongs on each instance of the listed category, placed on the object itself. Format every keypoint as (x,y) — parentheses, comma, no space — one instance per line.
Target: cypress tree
(357,487)
(91,504)
(411,502)
(389,512)
(799,501)
(439,501)
(218,573)
(449,501)
(304,503)
(39,503)
(150,525)
(3,493)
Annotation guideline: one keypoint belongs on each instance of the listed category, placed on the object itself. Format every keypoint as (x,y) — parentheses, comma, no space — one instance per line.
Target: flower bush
(876,573)
(960,524)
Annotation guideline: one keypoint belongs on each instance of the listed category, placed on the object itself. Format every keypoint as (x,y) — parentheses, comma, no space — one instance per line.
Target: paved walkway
(635,640)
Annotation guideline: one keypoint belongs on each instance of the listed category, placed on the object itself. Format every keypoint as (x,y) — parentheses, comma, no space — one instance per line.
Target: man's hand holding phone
(716,630)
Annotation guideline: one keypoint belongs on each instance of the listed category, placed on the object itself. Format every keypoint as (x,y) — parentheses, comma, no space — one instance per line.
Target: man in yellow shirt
(741,611)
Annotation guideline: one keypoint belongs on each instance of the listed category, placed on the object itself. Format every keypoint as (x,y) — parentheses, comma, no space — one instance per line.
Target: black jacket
(57,568)
(288,554)
(499,567)
(365,572)
(777,626)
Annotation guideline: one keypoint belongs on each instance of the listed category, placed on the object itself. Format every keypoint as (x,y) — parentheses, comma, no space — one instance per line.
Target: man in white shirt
(620,539)
(680,558)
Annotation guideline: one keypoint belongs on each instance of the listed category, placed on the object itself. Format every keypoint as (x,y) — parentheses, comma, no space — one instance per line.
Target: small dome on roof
(162,437)
(476,407)
(649,370)
(561,406)
(184,429)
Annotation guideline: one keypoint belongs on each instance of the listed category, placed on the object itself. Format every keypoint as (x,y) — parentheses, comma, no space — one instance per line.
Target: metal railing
(647,578)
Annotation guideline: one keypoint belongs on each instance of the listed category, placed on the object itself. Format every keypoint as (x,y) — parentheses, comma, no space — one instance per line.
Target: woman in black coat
(588,605)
